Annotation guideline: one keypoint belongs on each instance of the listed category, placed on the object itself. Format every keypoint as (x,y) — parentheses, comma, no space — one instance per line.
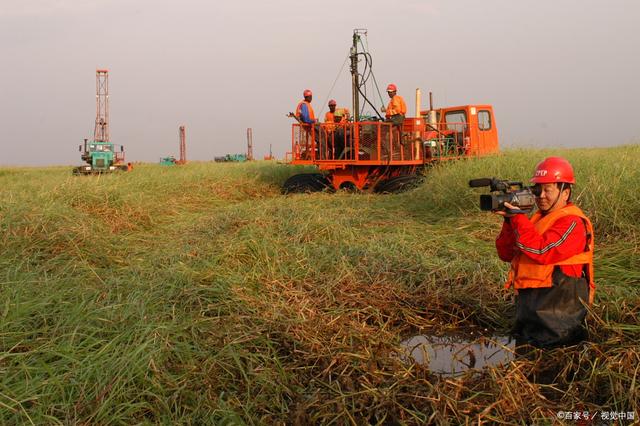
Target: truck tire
(305,183)
(399,184)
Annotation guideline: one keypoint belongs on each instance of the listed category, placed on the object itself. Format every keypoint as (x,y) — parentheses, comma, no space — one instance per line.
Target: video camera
(505,191)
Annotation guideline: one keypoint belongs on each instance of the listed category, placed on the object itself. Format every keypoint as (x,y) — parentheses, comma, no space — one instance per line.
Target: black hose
(369,68)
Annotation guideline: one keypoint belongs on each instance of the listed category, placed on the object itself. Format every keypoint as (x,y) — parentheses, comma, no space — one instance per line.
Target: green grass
(200,295)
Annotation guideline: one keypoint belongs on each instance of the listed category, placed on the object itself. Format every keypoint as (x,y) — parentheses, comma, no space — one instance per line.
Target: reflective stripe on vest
(526,273)
(312,115)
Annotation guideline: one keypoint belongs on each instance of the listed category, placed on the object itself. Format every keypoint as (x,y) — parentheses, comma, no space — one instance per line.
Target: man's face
(332,108)
(391,94)
(308,98)
(548,194)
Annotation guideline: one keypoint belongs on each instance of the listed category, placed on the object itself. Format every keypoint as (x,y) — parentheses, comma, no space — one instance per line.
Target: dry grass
(200,295)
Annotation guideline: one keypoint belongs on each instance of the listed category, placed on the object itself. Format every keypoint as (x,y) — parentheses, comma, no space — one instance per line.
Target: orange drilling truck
(371,154)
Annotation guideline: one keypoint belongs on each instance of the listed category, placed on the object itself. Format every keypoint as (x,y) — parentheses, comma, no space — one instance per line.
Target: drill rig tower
(101,130)
(100,154)
(183,146)
(249,144)
(171,160)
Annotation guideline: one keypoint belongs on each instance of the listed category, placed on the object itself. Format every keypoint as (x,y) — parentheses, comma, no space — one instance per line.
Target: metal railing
(377,142)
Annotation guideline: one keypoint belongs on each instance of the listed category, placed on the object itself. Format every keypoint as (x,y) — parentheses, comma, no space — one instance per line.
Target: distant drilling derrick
(101,130)
(183,146)
(249,144)
(270,155)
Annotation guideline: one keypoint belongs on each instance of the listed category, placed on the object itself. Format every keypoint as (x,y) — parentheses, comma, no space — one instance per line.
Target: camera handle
(517,211)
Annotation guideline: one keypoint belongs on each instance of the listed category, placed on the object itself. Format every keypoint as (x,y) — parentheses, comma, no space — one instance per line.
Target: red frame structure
(362,153)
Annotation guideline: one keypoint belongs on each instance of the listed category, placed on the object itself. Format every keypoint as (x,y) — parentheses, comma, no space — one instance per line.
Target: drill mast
(101,130)
(183,145)
(355,77)
(249,144)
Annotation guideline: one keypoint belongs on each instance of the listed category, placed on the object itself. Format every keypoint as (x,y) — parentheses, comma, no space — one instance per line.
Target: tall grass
(200,295)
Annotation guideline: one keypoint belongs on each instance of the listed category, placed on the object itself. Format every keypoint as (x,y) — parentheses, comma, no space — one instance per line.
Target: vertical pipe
(249,144)
(183,145)
(433,122)
(354,78)
(418,124)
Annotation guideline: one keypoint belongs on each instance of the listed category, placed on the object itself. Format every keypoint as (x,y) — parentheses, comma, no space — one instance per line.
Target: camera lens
(488,202)
(536,190)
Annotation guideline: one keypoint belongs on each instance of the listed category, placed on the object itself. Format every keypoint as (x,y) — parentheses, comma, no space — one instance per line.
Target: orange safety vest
(396,106)
(526,273)
(312,115)
(329,117)
(340,116)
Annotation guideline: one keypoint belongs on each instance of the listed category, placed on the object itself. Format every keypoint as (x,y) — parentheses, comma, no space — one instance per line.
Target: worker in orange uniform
(307,118)
(551,257)
(397,109)
(335,134)
(336,115)
(304,110)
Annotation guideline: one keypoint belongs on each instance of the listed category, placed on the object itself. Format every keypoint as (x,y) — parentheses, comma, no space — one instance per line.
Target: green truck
(231,158)
(101,157)
(168,161)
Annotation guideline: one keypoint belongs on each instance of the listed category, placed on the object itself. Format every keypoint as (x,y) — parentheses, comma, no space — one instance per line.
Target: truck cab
(469,129)
(101,157)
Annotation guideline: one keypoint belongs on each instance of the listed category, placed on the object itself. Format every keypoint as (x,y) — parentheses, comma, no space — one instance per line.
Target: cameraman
(551,257)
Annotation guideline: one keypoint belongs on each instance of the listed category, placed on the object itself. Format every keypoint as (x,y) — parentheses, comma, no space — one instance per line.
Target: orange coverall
(396,106)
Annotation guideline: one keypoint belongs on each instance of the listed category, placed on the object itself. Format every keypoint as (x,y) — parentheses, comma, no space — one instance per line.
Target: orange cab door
(485,128)
(474,140)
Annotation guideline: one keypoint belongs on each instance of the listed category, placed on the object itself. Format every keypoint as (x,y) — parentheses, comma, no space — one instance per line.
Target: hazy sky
(558,73)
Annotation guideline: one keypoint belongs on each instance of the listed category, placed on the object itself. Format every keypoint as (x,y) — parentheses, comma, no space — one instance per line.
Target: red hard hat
(333,102)
(553,169)
(392,88)
(307,93)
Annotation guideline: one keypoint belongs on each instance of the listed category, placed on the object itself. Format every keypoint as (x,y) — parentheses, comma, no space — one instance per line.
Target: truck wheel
(398,184)
(306,182)
(349,187)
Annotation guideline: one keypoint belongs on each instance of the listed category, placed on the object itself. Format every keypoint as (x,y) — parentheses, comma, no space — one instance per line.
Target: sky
(559,73)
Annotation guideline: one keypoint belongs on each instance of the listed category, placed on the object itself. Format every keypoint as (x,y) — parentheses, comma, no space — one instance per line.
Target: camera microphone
(477,183)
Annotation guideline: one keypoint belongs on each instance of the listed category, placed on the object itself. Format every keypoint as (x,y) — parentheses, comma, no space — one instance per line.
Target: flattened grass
(199,294)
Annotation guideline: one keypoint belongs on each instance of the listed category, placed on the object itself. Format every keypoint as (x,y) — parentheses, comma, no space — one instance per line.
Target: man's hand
(505,213)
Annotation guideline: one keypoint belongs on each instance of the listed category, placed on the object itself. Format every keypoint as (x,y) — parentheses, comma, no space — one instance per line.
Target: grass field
(200,295)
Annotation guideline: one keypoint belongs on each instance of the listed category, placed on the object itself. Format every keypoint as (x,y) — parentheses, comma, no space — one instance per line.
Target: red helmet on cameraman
(307,93)
(552,170)
(332,102)
(392,88)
